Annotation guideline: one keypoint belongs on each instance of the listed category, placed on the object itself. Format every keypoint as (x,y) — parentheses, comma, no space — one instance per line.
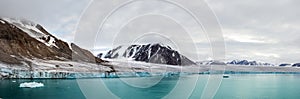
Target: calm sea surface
(237,86)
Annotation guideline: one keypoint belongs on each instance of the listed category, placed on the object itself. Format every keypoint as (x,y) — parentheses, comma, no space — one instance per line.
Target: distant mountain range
(151,53)
(234,62)
(250,63)
(291,65)
(296,65)
(255,63)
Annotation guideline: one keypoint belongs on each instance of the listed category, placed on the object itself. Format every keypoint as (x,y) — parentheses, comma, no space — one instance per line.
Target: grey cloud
(58,16)
(274,22)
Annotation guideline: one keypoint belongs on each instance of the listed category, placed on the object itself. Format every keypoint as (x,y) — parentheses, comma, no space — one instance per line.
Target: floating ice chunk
(31,85)
(4,74)
(143,74)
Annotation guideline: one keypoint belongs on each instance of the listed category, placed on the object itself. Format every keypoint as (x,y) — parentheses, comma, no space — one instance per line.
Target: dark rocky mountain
(22,39)
(250,63)
(152,53)
(296,65)
(284,64)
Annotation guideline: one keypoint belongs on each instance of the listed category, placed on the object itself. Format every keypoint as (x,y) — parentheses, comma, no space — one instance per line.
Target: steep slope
(22,39)
(152,53)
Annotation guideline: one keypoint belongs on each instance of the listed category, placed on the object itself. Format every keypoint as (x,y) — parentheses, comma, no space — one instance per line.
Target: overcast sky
(263,30)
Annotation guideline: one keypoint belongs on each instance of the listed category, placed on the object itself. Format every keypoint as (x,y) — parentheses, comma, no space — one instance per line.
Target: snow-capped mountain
(22,39)
(249,63)
(289,65)
(34,30)
(285,64)
(152,53)
(296,65)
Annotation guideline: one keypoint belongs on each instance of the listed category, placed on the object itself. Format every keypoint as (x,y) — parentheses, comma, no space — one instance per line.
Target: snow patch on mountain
(2,22)
(210,62)
(31,29)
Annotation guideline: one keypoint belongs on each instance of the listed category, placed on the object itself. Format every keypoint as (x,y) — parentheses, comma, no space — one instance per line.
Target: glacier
(124,68)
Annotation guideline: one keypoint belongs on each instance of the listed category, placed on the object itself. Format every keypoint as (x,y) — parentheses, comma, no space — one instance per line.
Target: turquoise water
(261,86)
(57,88)
(237,86)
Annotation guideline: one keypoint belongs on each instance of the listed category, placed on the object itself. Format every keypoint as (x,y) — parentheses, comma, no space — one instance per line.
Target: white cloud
(246,36)
(267,55)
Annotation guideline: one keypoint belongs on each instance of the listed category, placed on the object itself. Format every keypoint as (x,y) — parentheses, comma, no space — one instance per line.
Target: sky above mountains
(265,30)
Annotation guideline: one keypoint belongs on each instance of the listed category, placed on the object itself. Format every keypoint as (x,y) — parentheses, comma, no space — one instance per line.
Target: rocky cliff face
(152,53)
(22,39)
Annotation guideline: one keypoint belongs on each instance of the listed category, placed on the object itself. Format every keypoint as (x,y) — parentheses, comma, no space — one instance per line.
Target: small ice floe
(14,81)
(31,85)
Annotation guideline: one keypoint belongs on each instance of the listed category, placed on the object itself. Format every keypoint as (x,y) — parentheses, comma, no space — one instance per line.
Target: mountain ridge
(150,53)
(20,39)
(248,62)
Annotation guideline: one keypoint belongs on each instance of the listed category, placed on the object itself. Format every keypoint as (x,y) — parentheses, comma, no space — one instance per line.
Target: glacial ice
(31,85)
(125,68)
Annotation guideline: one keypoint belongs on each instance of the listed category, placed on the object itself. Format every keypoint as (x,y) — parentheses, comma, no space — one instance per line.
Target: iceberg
(31,85)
